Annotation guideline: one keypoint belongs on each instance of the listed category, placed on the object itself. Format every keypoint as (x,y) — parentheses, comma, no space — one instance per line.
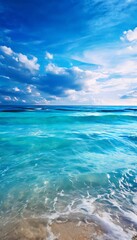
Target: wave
(102,109)
(68,119)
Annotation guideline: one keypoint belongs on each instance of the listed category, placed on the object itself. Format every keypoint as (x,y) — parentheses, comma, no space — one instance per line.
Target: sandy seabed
(34,229)
(39,229)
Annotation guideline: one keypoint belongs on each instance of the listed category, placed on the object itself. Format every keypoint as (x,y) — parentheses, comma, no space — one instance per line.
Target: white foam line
(113,231)
(51,235)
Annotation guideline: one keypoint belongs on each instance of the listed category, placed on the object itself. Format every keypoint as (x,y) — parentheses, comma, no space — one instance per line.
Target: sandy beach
(38,229)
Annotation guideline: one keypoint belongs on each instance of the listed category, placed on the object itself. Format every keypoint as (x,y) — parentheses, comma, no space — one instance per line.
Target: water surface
(65,163)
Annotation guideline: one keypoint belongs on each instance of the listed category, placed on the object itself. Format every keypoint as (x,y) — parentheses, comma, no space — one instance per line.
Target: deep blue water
(59,161)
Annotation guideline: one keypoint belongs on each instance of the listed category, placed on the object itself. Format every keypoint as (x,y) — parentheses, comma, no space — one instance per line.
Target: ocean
(68,171)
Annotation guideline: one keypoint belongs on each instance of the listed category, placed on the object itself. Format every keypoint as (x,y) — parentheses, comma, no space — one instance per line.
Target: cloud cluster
(27,83)
(22,82)
(118,71)
(130,35)
(75,85)
(30,64)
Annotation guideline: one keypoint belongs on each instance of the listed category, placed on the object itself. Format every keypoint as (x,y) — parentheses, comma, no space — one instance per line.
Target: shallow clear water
(70,162)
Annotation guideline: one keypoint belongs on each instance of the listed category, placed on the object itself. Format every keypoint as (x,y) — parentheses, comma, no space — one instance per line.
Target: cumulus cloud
(49,56)
(57,80)
(52,68)
(115,76)
(32,86)
(130,35)
(57,85)
(16,89)
(76,85)
(6,50)
(31,64)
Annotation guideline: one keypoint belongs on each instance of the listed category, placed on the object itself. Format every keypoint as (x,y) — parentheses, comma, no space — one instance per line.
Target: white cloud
(130,35)
(29,90)
(42,101)
(15,99)
(114,59)
(6,50)
(100,57)
(31,64)
(3,76)
(16,89)
(129,50)
(101,86)
(118,60)
(49,56)
(126,67)
(7,98)
(77,96)
(115,76)
(52,68)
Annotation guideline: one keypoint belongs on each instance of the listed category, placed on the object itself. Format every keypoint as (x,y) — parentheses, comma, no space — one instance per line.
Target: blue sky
(68,52)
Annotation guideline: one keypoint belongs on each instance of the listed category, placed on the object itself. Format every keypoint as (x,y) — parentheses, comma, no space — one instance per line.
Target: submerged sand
(32,229)
(40,229)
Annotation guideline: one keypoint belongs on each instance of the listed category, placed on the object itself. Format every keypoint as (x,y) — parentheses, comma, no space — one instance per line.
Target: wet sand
(32,229)
(40,229)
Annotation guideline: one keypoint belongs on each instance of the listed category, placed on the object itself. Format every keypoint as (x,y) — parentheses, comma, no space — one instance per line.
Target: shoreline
(41,229)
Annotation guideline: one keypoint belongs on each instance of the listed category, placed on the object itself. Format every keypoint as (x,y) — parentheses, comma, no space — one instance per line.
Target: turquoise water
(70,162)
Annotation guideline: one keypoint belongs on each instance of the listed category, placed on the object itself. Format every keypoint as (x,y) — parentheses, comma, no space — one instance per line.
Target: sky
(68,52)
